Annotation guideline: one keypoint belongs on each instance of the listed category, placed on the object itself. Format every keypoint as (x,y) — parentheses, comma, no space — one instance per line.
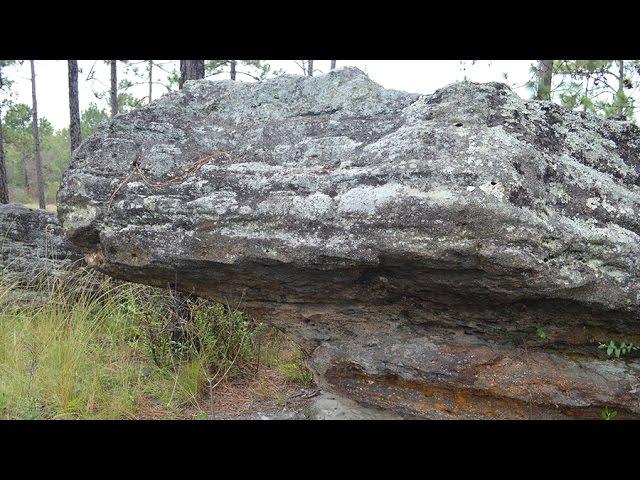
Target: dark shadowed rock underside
(415,245)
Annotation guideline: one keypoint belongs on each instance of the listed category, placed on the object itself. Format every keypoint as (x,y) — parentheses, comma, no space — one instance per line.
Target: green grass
(100,349)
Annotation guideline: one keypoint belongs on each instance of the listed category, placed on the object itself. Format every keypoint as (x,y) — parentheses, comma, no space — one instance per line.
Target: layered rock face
(32,247)
(455,255)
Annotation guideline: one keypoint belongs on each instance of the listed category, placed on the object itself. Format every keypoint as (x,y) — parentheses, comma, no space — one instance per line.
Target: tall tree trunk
(586,95)
(191,70)
(232,69)
(74,105)
(309,68)
(114,88)
(36,138)
(545,75)
(4,188)
(333,64)
(150,80)
(621,86)
(25,174)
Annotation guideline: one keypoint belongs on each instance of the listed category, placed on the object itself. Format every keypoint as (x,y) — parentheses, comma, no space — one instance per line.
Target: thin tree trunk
(621,86)
(114,88)
(586,94)
(183,73)
(25,174)
(545,75)
(333,64)
(4,188)
(190,70)
(36,138)
(150,80)
(309,68)
(233,69)
(74,105)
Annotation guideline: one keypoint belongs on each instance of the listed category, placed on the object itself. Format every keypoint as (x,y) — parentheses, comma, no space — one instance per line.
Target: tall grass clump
(86,346)
(66,352)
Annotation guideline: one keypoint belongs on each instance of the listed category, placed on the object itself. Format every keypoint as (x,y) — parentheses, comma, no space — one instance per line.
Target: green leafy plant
(608,414)
(613,348)
(540,332)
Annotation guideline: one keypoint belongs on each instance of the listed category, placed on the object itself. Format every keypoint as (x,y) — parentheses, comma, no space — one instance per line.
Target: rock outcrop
(32,247)
(455,255)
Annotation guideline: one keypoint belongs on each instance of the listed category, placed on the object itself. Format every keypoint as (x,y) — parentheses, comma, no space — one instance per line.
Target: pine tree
(120,100)
(36,138)
(74,105)
(255,69)
(333,64)
(309,68)
(18,132)
(597,86)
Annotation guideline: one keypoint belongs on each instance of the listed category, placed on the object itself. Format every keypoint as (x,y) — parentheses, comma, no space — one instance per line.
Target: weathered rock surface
(32,246)
(324,406)
(412,243)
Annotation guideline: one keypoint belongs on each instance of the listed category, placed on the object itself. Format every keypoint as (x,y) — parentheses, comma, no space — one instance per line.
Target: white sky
(416,76)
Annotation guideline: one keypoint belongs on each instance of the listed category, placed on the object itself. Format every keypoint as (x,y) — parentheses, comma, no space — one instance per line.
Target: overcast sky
(417,76)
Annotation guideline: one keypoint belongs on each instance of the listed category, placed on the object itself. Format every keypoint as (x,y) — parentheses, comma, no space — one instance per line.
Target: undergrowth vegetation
(90,347)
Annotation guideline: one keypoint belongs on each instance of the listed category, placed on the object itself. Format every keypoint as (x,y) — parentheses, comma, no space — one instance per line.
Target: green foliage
(95,348)
(214,67)
(127,102)
(608,414)
(249,69)
(90,118)
(215,337)
(296,372)
(67,359)
(55,149)
(602,87)
(540,332)
(5,82)
(287,359)
(618,350)
(19,149)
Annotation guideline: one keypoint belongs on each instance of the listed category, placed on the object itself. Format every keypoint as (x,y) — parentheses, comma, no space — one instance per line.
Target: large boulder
(32,247)
(455,255)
